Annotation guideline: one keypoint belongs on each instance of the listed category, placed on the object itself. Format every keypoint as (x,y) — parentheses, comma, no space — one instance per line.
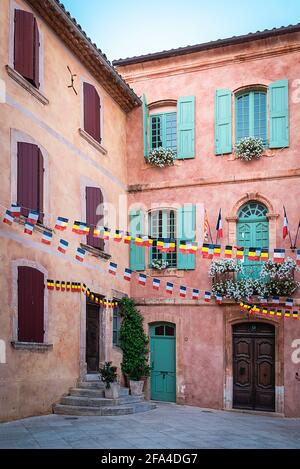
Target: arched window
(162,224)
(252,231)
(251,115)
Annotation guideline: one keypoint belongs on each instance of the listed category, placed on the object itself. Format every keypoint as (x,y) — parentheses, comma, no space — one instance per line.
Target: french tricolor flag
(33,217)
(156,283)
(127,274)
(47,237)
(219,298)
(279,255)
(61,223)
(112,268)
(28,229)
(63,246)
(15,210)
(298,257)
(289,302)
(219,226)
(285,228)
(182,291)
(207,296)
(169,288)
(80,254)
(142,279)
(8,217)
(275,299)
(195,294)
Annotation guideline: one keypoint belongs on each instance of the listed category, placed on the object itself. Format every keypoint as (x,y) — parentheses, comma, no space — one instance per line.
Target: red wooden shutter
(91,111)
(30,305)
(94,198)
(26,46)
(30,178)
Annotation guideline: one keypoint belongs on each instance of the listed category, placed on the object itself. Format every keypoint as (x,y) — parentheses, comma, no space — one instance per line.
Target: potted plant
(249,148)
(134,344)
(161,157)
(109,376)
(159,264)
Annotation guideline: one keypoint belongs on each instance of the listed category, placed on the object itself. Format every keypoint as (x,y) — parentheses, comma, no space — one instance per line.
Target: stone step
(91,384)
(88,411)
(97,391)
(100,401)
(92,377)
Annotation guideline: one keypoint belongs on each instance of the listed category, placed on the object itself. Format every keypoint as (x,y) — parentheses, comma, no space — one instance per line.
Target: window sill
(95,251)
(32,346)
(149,166)
(92,141)
(26,85)
(165,273)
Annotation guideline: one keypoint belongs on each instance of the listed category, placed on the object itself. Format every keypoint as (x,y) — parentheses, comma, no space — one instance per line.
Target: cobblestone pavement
(169,426)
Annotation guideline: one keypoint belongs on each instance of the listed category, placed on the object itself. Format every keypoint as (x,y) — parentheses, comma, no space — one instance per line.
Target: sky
(124,28)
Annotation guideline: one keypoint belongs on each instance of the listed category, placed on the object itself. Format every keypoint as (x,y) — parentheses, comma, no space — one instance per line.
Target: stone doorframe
(271,216)
(233,316)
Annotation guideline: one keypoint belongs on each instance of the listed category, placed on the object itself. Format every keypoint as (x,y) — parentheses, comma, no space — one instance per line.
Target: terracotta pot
(113,391)
(136,387)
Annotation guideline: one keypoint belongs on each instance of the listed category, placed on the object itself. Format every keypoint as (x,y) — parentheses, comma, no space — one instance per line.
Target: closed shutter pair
(26,46)
(94,200)
(278,117)
(185,127)
(30,305)
(91,101)
(186,226)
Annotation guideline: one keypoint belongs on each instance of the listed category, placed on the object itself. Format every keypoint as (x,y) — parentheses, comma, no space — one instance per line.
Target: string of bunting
(77,287)
(271,312)
(164,245)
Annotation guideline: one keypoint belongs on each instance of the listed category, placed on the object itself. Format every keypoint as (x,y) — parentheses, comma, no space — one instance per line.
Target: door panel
(92,337)
(254,367)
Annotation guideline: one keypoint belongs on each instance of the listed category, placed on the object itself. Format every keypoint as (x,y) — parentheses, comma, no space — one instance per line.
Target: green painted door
(252,231)
(163,362)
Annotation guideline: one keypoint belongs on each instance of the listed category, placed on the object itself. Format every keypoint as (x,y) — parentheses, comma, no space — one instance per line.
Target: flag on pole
(206,228)
(63,245)
(47,237)
(80,254)
(61,223)
(112,268)
(127,274)
(207,296)
(8,217)
(285,228)
(195,294)
(142,279)
(169,288)
(33,217)
(28,229)
(182,291)
(279,255)
(127,238)
(15,210)
(219,227)
(156,283)
(228,252)
(264,255)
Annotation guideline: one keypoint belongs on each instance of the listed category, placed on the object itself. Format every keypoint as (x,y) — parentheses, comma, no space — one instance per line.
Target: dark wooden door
(92,337)
(254,366)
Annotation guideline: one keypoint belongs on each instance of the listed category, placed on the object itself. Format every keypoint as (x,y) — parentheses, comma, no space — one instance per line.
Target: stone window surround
(98,146)
(20,136)
(14,306)
(37,92)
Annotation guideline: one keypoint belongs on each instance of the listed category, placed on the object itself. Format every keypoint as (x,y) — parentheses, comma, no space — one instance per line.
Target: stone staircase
(88,399)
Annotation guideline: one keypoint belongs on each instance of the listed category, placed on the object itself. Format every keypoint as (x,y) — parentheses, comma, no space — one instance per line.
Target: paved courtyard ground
(168,426)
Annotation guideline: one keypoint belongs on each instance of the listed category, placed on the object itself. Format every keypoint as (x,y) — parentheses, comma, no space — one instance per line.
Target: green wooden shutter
(186,228)
(279,114)
(186,127)
(223,122)
(137,253)
(145,126)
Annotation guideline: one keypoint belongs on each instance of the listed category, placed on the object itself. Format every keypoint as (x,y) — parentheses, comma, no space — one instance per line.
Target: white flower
(161,157)
(249,148)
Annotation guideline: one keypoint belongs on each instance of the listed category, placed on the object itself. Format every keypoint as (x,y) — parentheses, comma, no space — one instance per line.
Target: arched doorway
(252,231)
(254,366)
(163,362)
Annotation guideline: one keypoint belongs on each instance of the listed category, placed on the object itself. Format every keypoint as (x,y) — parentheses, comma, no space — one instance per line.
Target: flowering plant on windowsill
(161,157)
(221,266)
(249,148)
(159,264)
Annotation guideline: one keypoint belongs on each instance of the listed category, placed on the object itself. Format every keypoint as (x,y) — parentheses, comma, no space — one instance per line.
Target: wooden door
(254,366)
(92,337)
(163,362)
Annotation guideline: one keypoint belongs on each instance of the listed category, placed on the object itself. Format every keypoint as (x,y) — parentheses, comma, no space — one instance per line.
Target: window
(116,326)
(94,201)
(30,305)
(163,225)
(251,115)
(252,231)
(26,46)
(92,107)
(164,131)
(30,177)
(165,330)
